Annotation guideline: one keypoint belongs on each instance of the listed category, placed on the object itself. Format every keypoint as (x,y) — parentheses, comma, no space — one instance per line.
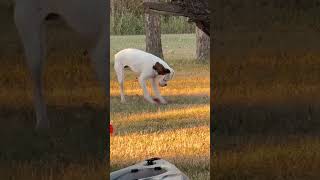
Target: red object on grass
(111,128)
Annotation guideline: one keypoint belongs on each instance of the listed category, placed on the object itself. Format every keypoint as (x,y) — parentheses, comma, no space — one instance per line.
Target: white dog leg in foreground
(29,18)
(33,39)
(151,169)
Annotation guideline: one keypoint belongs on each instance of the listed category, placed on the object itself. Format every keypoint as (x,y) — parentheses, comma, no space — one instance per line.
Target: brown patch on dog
(161,70)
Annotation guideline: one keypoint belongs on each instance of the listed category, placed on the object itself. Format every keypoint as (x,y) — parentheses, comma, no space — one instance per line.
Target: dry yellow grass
(266,106)
(178,132)
(291,157)
(198,84)
(188,144)
(74,148)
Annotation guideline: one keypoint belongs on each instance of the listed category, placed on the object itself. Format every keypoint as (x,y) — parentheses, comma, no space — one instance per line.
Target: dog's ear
(161,70)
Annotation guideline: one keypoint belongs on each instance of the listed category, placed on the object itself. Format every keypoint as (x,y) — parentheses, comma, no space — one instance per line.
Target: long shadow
(137,103)
(163,123)
(262,121)
(76,135)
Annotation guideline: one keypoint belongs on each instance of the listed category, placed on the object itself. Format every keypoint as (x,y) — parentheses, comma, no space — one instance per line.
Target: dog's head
(164,73)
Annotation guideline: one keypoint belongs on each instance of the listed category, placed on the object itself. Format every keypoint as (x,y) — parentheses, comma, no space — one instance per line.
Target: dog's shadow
(137,103)
(180,112)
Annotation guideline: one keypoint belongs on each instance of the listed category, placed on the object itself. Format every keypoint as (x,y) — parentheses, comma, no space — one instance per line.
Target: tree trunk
(203,45)
(153,33)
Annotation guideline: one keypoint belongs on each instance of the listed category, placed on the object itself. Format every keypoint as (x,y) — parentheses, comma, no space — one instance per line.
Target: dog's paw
(160,101)
(151,100)
(164,102)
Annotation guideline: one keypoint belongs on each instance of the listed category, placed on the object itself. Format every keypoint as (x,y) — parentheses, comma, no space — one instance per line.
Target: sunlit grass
(74,97)
(181,142)
(276,158)
(177,87)
(186,148)
(266,106)
(179,131)
(173,113)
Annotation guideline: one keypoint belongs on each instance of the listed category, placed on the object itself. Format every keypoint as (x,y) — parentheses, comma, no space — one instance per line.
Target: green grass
(263,16)
(130,24)
(179,47)
(178,131)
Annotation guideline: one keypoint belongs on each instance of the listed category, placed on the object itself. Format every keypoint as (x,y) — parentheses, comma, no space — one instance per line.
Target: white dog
(87,17)
(147,66)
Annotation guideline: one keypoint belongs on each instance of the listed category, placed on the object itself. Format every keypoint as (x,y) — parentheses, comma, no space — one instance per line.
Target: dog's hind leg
(120,76)
(157,92)
(32,32)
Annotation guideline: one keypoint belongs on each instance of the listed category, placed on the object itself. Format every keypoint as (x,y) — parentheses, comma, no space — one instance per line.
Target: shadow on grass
(260,157)
(137,103)
(270,141)
(76,135)
(54,170)
(158,122)
(279,118)
(142,117)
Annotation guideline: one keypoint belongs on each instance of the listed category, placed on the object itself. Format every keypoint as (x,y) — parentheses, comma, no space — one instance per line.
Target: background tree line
(261,15)
(127,17)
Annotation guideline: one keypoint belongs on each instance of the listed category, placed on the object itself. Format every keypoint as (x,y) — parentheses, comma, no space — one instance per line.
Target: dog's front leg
(32,34)
(99,58)
(146,95)
(156,91)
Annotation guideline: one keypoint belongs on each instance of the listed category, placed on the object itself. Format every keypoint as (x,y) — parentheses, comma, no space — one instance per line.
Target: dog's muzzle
(162,85)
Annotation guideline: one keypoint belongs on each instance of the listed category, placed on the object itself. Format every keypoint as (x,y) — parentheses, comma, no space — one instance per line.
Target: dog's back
(136,59)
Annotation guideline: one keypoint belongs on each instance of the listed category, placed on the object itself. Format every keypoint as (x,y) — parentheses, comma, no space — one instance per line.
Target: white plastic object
(150,169)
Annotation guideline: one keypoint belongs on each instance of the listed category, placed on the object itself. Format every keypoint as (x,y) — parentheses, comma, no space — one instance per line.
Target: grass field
(266,74)
(179,131)
(74,147)
(266,103)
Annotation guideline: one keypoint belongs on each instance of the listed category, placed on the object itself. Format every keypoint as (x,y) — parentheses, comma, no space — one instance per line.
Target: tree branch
(196,10)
